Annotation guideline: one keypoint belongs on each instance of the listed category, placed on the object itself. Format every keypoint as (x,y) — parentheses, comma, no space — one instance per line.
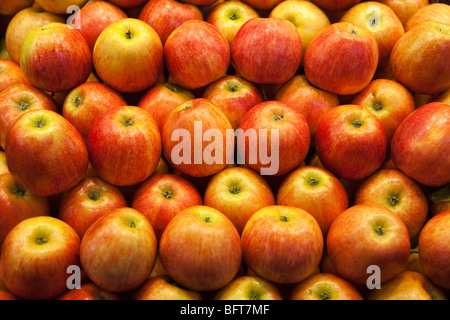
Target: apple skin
(128,4)
(394,190)
(420,146)
(404,9)
(282,244)
(365,235)
(10,8)
(434,250)
(88,291)
(196,54)
(17,99)
(35,257)
(439,12)
(124,145)
(11,73)
(164,16)
(249,288)
(164,288)
(102,247)
(3,164)
(325,286)
(333,5)
(4,55)
(60,6)
(238,193)
(55,57)
(45,152)
(351,142)
(419,58)
(86,202)
(162,196)
(201,249)
(6,296)
(315,190)
(266,51)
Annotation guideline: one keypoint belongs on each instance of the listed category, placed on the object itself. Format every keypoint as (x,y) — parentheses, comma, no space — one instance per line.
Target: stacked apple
(254,149)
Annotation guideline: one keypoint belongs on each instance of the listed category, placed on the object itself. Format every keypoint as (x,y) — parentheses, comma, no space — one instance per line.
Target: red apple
(35,256)
(334,5)
(122,230)
(124,145)
(404,9)
(266,50)
(11,73)
(10,8)
(60,6)
(351,142)
(88,291)
(420,146)
(249,288)
(45,152)
(439,12)
(163,288)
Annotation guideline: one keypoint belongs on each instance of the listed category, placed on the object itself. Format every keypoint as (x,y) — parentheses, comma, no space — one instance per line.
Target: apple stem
(94,196)
(78,101)
(19,190)
(235,189)
(128,34)
(23,105)
(167,194)
(313,182)
(41,240)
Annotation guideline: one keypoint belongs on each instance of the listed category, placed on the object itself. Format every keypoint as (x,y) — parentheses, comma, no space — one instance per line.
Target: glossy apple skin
(162,196)
(35,257)
(196,54)
(266,50)
(404,9)
(60,6)
(249,288)
(353,243)
(333,5)
(339,61)
(439,12)
(11,73)
(102,247)
(88,291)
(200,249)
(420,146)
(55,57)
(282,244)
(434,250)
(163,288)
(45,152)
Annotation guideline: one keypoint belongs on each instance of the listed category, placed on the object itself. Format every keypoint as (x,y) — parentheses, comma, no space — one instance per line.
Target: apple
(408,285)
(333,5)
(282,244)
(389,101)
(238,193)
(364,236)
(122,230)
(45,152)
(276,128)
(404,9)
(162,98)
(234,96)
(128,4)
(200,249)
(325,286)
(164,16)
(266,50)
(315,190)
(341,59)
(164,288)
(249,288)
(381,21)
(394,190)
(88,291)
(420,145)
(439,200)
(351,142)
(6,295)
(4,55)
(17,99)
(22,23)
(443,97)
(10,73)
(86,202)
(87,102)
(434,250)
(10,8)
(196,54)
(3,164)
(439,12)
(35,256)
(124,145)
(418,59)
(162,196)
(60,6)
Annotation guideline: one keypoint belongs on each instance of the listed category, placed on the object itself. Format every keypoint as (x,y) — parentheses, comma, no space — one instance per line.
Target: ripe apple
(11,73)
(60,6)
(368,235)
(238,193)
(200,249)
(389,101)
(419,58)
(439,12)
(276,128)
(35,256)
(10,8)
(404,9)
(341,59)
(196,54)
(351,142)
(282,244)
(234,96)
(122,230)
(315,190)
(3,164)
(164,288)
(249,288)
(22,23)
(86,202)
(45,152)
(420,146)
(333,5)
(87,102)
(325,286)
(88,291)
(17,99)
(162,196)
(266,50)
(164,16)
(434,252)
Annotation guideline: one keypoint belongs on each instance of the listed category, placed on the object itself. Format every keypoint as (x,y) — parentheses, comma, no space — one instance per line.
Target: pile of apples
(101,199)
